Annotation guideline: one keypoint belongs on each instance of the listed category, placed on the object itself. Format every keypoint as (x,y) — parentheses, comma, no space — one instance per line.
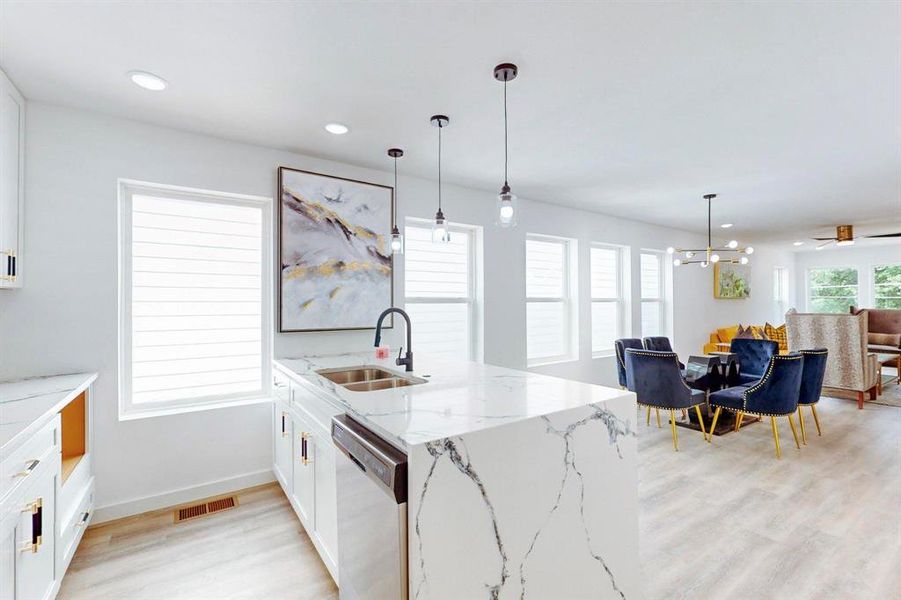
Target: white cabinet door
(8,539)
(281,438)
(304,473)
(35,563)
(326,493)
(12,182)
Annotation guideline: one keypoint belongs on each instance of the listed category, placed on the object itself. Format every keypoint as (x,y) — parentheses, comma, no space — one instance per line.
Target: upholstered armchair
(849,366)
(775,395)
(659,344)
(812,374)
(620,346)
(753,358)
(657,382)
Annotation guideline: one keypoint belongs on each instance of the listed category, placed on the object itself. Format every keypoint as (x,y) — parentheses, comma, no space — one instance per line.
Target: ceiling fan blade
(884,235)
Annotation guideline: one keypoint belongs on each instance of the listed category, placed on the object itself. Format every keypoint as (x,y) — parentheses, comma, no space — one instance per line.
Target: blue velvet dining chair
(657,382)
(753,358)
(775,395)
(620,346)
(812,375)
(660,343)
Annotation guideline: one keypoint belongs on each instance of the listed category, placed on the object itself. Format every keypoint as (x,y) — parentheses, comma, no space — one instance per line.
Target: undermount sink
(368,378)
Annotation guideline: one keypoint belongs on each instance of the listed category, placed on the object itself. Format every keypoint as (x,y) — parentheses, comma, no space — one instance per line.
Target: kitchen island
(519,485)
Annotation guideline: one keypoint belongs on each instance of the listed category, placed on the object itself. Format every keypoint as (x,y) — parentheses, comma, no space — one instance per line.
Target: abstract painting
(731,281)
(334,251)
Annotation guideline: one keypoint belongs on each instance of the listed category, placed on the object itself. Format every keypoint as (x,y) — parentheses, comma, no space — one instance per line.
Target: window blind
(606,300)
(548,326)
(651,276)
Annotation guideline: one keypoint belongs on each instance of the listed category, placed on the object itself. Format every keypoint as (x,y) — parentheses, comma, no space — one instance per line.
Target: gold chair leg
(716,415)
(801,421)
(649,416)
(776,436)
(738,417)
(672,423)
(816,419)
(657,410)
(794,432)
(701,421)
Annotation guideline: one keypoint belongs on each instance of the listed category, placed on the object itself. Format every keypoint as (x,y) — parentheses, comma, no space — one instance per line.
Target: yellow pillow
(777,334)
(727,334)
(758,332)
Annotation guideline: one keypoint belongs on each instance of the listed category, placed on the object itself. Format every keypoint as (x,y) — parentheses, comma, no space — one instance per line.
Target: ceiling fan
(844,236)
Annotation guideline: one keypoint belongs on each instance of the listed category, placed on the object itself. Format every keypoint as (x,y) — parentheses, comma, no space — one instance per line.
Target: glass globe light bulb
(670,250)
(439,229)
(689,255)
(704,264)
(714,258)
(749,250)
(397,241)
(506,208)
(744,260)
(677,262)
(732,245)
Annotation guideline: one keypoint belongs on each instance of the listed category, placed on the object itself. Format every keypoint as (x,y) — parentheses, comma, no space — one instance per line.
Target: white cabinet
(35,537)
(326,497)
(303,488)
(281,434)
(12,183)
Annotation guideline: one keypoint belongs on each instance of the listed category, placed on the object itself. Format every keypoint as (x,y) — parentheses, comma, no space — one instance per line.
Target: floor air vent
(205,508)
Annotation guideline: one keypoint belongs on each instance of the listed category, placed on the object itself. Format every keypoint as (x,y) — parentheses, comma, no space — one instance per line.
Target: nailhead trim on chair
(759,384)
(661,354)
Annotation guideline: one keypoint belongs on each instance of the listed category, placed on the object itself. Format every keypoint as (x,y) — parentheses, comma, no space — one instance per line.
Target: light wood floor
(255,551)
(720,521)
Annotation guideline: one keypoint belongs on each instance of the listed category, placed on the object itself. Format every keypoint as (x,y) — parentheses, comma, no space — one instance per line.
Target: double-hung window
(440,288)
(607,303)
(832,290)
(194,286)
(780,293)
(550,310)
(653,294)
(887,286)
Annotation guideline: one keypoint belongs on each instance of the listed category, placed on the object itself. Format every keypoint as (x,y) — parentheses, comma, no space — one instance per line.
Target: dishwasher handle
(379,460)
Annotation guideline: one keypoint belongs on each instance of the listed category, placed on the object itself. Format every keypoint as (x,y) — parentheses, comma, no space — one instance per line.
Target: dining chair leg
(649,416)
(794,431)
(776,436)
(657,410)
(816,419)
(672,423)
(716,415)
(801,421)
(738,417)
(684,414)
(701,421)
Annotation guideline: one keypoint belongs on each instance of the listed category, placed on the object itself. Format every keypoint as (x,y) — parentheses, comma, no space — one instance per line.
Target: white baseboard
(181,496)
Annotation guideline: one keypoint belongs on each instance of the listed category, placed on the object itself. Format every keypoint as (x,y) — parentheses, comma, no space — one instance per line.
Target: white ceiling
(790,111)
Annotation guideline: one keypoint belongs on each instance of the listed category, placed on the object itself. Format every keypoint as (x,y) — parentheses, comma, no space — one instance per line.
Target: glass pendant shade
(440,234)
(397,241)
(505,215)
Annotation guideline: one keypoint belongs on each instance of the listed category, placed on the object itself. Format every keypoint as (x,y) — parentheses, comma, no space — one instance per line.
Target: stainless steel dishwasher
(372,514)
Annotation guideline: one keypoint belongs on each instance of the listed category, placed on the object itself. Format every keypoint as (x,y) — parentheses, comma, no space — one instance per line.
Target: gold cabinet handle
(284,424)
(303,449)
(36,509)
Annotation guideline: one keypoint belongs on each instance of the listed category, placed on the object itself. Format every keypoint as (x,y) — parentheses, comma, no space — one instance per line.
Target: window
(653,291)
(194,299)
(607,303)
(550,313)
(831,290)
(440,285)
(887,286)
(780,293)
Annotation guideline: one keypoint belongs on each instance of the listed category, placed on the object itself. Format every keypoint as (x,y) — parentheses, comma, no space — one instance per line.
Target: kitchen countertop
(26,404)
(460,397)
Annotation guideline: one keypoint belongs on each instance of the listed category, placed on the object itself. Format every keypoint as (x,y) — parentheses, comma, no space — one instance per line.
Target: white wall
(65,318)
(862,258)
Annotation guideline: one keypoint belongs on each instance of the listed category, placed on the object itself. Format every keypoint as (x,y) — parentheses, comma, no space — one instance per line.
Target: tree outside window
(887,286)
(832,290)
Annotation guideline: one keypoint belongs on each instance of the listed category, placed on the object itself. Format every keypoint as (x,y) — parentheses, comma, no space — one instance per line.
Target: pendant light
(710,254)
(440,234)
(505,215)
(397,240)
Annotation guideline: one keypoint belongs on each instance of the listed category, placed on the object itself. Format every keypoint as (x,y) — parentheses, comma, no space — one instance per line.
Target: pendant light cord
(394,204)
(439,166)
(709,236)
(505,131)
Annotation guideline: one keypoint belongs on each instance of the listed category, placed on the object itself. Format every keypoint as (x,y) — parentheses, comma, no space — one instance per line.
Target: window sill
(135,414)
(604,354)
(553,360)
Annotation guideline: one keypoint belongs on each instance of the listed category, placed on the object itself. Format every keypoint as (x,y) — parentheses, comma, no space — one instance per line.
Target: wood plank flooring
(725,520)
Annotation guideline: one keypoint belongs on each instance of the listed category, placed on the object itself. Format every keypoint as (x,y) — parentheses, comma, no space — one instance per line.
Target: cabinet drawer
(319,410)
(19,467)
(73,524)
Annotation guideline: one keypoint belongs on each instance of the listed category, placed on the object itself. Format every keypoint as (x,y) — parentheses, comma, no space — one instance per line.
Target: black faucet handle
(399,360)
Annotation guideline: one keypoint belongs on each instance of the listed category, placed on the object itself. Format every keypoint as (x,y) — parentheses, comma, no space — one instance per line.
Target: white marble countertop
(26,404)
(460,397)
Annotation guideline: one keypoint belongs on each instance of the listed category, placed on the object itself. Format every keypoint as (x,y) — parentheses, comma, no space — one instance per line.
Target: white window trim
(807,286)
(127,410)
(872,275)
(663,299)
(570,302)
(782,304)
(620,299)
(474,301)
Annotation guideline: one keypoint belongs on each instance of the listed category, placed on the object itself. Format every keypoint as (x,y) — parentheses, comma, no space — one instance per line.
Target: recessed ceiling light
(148,81)
(798,243)
(726,225)
(336,128)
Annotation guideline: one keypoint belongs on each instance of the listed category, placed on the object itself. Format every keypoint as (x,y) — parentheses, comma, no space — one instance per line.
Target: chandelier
(710,255)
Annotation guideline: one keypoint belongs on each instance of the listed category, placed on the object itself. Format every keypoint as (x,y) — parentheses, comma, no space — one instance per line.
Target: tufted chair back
(777,392)
(754,355)
(656,380)
(812,375)
(620,346)
(658,343)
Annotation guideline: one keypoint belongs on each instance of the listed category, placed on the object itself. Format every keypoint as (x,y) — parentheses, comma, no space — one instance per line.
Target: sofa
(883,330)
(725,335)
(849,366)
